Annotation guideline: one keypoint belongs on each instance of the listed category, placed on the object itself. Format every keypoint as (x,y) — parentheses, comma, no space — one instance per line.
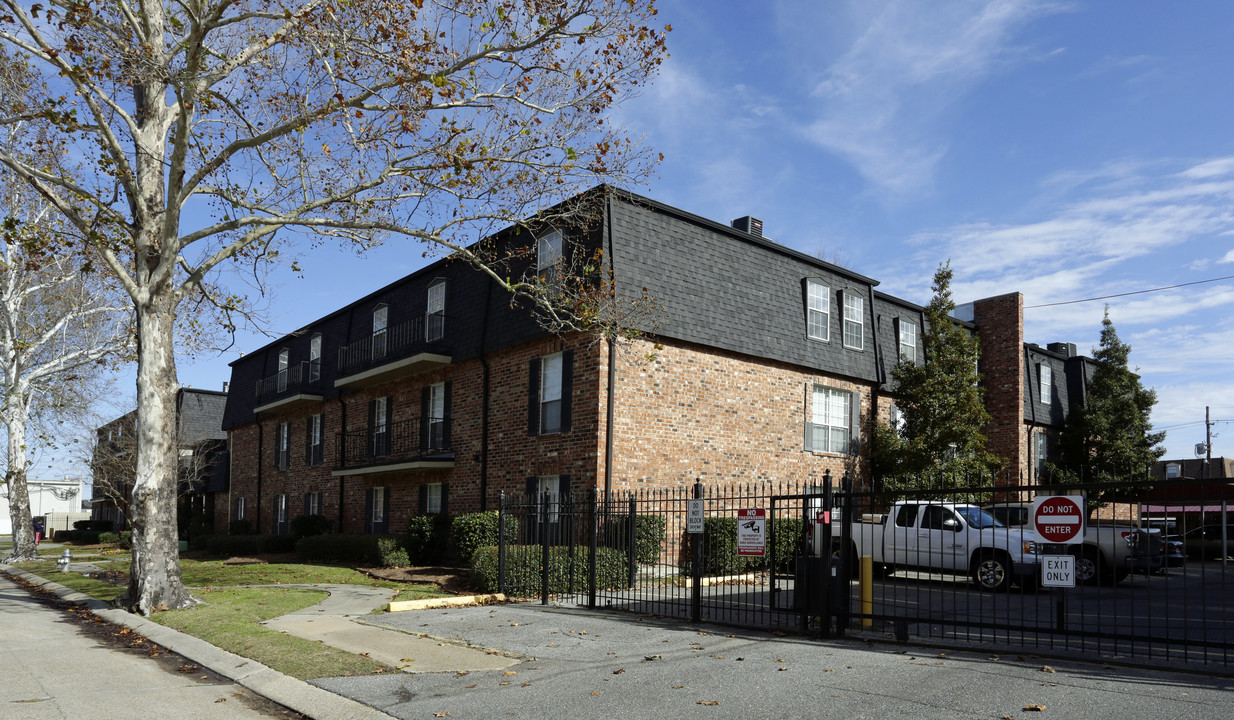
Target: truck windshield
(978,518)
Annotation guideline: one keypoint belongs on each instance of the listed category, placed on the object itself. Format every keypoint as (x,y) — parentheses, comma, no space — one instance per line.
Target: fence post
(633,548)
(696,567)
(501,543)
(828,505)
(846,543)
(546,514)
(591,553)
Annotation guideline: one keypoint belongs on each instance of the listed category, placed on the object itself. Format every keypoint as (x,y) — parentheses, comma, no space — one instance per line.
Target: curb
(435,603)
(308,700)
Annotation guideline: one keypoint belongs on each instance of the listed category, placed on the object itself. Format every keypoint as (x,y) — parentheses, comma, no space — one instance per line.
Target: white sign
(1057,571)
(752,532)
(694,516)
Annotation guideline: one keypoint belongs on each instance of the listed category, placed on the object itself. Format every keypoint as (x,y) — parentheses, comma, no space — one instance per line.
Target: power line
(1134,292)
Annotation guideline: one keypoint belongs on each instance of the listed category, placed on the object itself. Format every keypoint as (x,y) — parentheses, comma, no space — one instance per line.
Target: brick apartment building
(203,462)
(436,394)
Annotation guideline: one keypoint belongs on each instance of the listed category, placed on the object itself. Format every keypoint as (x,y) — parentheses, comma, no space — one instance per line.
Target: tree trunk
(155,582)
(19,493)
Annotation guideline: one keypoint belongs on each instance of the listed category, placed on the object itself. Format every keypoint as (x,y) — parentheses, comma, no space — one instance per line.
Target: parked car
(1205,541)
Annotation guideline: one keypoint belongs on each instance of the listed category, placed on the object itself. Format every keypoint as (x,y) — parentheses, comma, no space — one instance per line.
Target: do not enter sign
(1059,519)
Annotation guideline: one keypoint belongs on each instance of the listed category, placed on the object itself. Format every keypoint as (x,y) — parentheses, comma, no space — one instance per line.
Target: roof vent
(748,224)
(1063,348)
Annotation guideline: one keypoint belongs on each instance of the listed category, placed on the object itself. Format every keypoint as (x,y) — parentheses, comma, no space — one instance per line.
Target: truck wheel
(992,572)
(1089,567)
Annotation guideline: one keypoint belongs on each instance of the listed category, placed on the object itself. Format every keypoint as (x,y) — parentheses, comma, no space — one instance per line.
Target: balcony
(417,444)
(290,389)
(400,351)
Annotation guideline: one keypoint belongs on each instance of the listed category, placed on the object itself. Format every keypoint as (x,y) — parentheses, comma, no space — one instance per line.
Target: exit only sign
(1057,571)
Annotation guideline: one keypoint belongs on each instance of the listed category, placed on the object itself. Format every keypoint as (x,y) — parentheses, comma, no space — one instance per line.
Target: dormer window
(1046,377)
(435,315)
(548,256)
(907,339)
(284,360)
(380,319)
(818,311)
(854,321)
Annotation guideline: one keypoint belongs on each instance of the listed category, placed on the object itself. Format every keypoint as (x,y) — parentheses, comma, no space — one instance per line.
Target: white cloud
(907,63)
(1227,258)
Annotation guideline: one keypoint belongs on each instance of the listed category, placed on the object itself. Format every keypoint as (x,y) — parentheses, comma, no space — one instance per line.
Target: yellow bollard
(867,590)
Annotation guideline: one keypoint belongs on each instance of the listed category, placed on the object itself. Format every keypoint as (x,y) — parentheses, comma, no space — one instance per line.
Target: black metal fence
(962,566)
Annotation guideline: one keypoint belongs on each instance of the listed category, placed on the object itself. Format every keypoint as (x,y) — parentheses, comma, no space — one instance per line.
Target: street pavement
(532,661)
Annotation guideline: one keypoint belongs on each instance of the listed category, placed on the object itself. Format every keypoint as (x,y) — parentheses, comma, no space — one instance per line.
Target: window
(550,386)
(375,520)
(1041,452)
(312,503)
(284,355)
(379,422)
(1046,376)
(280,514)
(432,498)
(282,448)
(830,426)
(897,421)
(854,321)
(238,514)
(435,316)
(315,358)
(313,446)
(907,516)
(550,394)
(548,256)
(436,419)
(907,340)
(1172,471)
(818,311)
(381,315)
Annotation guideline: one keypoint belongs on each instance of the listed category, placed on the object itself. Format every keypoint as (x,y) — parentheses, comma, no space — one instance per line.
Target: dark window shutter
(426,409)
(567,388)
(533,397)
(372,426)
(368,511)
(389,415)
(445,430)
(423,499)
(306,502)
(445,498)
(308,441)
(854,420)
(385,504)
(809,423)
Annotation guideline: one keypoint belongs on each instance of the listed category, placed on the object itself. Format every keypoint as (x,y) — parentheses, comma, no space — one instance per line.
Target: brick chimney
(1000,330)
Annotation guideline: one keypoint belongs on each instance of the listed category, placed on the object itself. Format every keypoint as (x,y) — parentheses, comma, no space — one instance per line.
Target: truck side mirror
(951,524)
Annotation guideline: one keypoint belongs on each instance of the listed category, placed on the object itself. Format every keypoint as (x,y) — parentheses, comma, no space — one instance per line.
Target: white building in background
(60,501)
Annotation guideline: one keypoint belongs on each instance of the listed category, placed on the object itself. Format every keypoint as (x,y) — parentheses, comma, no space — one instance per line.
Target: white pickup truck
(953,538)
(1109,552)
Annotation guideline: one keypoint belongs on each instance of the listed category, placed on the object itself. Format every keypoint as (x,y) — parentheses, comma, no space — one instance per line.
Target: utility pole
(1208,443)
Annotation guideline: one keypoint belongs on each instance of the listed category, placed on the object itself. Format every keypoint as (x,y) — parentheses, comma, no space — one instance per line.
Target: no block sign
(1059,519)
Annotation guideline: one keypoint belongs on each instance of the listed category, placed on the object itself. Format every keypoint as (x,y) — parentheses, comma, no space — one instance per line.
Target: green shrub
(239,527)
(720,546)
(101,525)
(566,574)
(428,538)
(200,542)
(306,525)
(80,537)
(649,534)
(474,530)
(392,552)
(232,545)
(82,524)
(275,544)
(109,538)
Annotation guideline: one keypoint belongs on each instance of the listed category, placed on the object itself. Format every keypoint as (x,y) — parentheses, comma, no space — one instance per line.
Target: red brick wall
(697,413)
(1000,328)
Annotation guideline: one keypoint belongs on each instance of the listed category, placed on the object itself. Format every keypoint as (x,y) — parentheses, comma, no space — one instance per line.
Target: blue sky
(1067,150)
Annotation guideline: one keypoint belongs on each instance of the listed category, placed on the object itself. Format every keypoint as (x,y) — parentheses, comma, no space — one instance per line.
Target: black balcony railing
(300,377)
(391,344)
(398,442)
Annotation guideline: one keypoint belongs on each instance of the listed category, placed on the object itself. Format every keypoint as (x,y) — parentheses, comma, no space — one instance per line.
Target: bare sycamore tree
(218,128)
(58,325)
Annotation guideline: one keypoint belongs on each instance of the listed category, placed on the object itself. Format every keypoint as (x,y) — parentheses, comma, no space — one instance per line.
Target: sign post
(1058,521)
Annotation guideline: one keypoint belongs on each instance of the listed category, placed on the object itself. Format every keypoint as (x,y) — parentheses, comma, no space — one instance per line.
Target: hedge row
(720,546)
(452,539)
(649,534)
(524,570)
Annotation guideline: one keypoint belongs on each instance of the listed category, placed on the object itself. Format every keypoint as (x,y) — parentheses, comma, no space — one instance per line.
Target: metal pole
(591,554)
(544,526)
(501,543)
(632,548)
(828,502)
(696,567)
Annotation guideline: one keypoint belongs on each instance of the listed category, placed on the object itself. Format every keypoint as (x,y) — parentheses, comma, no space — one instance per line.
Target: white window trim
(907,340)
(240,509)
(435,305)
(859,321)
(284,441)
(549,251)
(379,508)
(284,363)
(831,436)
(548,490)
(315,357)
(314,503)
(280,509)
(1045,376)
(818,302)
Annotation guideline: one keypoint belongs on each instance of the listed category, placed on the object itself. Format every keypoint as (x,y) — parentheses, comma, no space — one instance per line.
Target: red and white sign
(1059,519)
(752,532)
